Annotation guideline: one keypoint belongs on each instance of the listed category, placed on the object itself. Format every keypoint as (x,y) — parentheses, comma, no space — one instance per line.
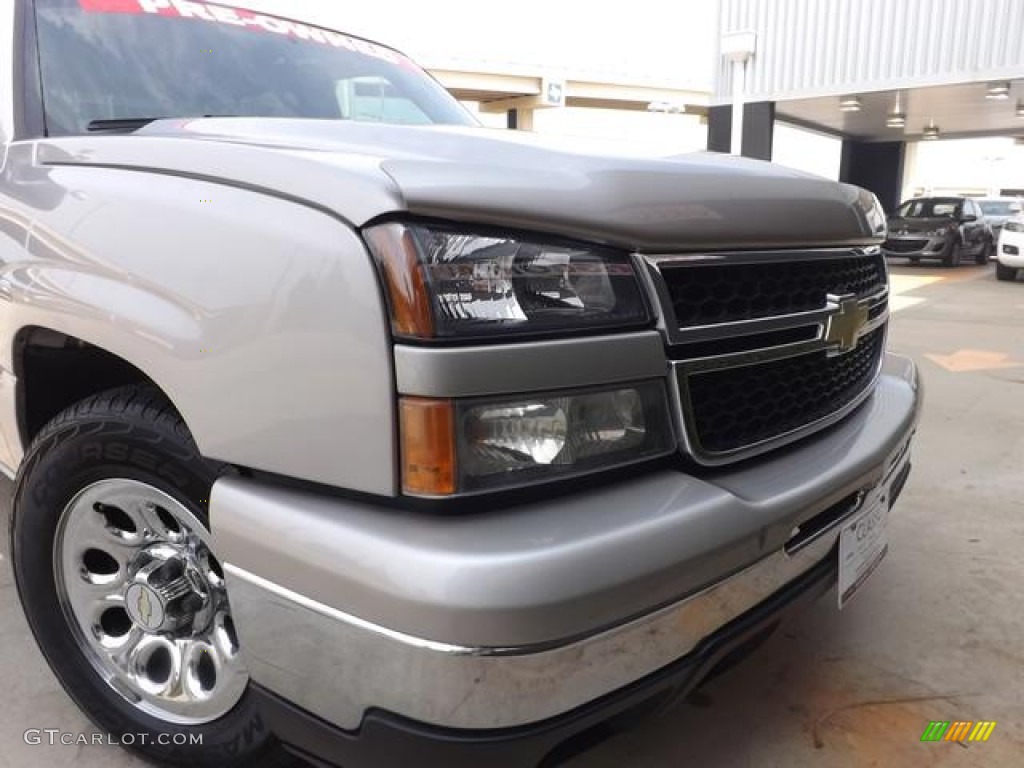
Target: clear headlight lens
(447,283)
(462,446)
(1014,226)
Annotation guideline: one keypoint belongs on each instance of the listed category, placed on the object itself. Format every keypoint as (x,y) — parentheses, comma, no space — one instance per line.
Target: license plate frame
(863,543)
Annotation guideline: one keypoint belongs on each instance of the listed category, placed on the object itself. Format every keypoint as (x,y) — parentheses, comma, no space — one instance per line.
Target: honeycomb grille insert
(735,408)
(725,293)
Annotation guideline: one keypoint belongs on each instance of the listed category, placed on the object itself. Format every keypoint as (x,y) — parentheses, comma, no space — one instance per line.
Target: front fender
(260,317)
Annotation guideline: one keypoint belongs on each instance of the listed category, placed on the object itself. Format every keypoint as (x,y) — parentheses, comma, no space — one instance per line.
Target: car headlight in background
(1014,226)
(447,283)
(458,446)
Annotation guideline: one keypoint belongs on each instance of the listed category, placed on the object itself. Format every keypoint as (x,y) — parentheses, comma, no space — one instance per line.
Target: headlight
(460,446)
(1014,226)
(445,283)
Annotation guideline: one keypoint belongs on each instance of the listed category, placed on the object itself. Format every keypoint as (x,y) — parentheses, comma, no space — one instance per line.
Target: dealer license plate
(863,543)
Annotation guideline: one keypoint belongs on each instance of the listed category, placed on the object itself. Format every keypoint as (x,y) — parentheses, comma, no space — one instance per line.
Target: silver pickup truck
(341,424)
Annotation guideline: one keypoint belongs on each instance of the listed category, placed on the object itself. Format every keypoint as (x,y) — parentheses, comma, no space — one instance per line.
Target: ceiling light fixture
(667,107)
(850,104)
(998,91)
(897,118)
(931,131)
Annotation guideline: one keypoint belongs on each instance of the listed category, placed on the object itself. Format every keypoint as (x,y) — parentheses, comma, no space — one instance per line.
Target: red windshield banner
(238,17)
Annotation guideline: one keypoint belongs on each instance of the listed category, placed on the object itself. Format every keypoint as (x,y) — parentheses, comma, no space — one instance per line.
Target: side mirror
(968,217)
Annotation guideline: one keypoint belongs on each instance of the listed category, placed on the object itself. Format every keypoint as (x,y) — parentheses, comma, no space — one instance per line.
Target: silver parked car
(998,210)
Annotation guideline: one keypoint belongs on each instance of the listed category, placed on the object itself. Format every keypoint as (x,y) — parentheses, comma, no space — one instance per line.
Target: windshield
(999,207)
(929,208)
(118,59)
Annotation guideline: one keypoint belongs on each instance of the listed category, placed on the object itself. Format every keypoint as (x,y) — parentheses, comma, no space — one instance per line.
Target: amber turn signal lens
(403,275)
(428,446)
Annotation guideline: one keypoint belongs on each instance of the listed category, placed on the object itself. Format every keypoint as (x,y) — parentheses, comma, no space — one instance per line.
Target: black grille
(904,246)
(725,293)
(738,407)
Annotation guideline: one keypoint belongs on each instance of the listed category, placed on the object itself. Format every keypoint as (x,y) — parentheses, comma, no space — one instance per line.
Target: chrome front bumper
(338,665)
(414,634)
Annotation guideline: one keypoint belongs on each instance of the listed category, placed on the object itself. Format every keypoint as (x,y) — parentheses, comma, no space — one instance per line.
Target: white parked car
(1010,253)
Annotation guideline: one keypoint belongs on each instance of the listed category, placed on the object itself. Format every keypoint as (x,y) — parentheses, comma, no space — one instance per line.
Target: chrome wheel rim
(147,603)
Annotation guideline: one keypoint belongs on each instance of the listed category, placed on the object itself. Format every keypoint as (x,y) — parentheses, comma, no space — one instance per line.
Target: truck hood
(361,171)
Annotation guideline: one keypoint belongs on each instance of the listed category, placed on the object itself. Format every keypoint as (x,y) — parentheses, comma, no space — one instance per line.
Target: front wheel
(952,255)
(1005,273)
(985,253)
(122,589)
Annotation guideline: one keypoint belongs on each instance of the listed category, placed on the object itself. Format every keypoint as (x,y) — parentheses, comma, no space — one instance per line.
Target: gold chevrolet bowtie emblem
(844,326)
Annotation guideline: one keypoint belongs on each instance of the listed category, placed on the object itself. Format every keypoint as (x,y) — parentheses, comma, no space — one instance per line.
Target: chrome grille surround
(685,364)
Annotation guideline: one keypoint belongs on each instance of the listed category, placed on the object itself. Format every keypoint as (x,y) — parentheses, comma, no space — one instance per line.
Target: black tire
(1005,273)
(985,253)
(952,256)
(130,432)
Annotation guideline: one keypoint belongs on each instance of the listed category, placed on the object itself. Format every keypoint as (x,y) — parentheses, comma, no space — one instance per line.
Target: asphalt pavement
(936,634)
